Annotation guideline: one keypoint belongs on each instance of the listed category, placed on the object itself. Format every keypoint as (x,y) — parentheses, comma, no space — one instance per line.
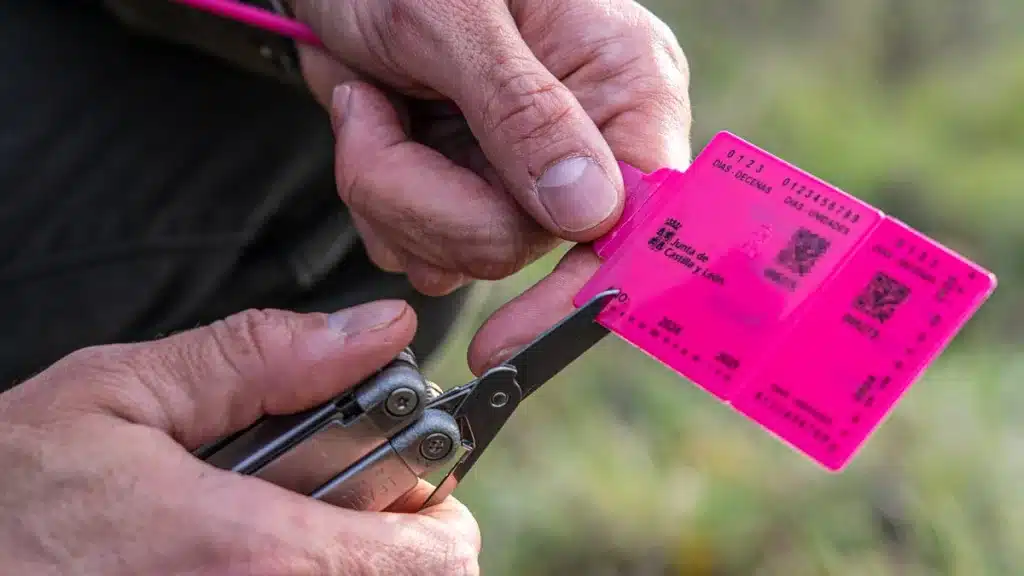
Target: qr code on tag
(804,249)
(881,297)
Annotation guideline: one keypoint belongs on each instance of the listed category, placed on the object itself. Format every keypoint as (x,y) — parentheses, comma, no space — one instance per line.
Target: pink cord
(257,18)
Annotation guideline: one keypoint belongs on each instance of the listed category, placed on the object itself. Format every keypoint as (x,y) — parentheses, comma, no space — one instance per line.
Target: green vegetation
(619,467)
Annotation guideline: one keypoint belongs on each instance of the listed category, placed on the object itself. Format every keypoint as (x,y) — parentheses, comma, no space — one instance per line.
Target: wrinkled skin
(449,119)
(98,478)
(453,110)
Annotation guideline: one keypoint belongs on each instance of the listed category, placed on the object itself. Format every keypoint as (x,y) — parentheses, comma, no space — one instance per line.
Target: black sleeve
(147,187)
(239,44)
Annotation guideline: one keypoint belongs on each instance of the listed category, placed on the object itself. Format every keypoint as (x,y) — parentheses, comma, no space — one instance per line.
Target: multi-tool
(369,446)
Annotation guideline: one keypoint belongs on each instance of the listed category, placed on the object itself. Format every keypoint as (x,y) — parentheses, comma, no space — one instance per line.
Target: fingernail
(577,194)
(366,317)
(339,104)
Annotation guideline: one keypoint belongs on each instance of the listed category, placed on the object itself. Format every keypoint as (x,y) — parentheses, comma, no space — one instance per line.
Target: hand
(494,134)
(99,480)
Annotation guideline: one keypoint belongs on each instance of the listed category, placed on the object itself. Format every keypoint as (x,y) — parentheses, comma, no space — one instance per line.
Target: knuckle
(369,191)
(664,99)
(402,17)
(352,189)
(529,106)
(497,262)
(432,281)
(494,269)
(642,57)
(652,47)
(111,362)
(462,559)
(245,340)
(402,27)
(383,254)
(508,246)
(660,76)
(91,357)
(498,242)
(665,42)
(354,183)
(661,49)
(385,259)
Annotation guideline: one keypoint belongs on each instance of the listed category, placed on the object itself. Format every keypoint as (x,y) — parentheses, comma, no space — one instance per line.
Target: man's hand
(98,478)
(493,133)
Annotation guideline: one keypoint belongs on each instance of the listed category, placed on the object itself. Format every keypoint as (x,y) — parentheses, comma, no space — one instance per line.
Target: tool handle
(362,449)
(393,469)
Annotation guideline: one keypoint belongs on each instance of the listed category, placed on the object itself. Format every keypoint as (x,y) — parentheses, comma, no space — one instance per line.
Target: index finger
(518,322)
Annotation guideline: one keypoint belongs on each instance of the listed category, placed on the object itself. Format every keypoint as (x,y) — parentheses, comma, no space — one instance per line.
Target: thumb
(548,151)
(205,383)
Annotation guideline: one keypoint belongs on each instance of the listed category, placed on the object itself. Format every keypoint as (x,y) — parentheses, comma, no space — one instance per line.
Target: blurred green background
(620,467)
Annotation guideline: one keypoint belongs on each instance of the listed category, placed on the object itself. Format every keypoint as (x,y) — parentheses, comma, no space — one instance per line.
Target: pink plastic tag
(639,188)
(807,310)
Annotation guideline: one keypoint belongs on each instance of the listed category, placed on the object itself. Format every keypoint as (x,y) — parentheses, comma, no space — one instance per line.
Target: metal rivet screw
(402,402)
(436,446)
(499,399)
